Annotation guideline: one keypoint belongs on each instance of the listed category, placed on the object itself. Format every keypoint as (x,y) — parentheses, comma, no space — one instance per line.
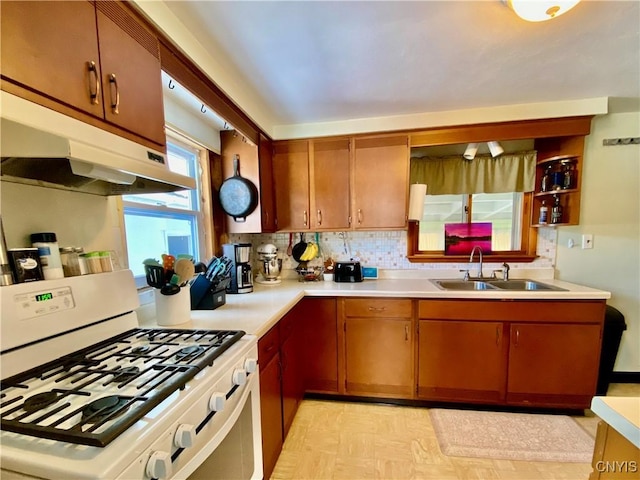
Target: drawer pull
(93,94)
(377,309)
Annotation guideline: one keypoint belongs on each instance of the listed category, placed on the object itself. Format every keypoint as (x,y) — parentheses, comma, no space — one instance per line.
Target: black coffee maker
(241,274)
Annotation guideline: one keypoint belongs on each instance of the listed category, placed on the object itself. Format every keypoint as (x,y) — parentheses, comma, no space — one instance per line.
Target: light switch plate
(587,241)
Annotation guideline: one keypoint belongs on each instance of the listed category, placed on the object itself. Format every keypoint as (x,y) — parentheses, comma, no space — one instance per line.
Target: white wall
(610,211)
(77,219)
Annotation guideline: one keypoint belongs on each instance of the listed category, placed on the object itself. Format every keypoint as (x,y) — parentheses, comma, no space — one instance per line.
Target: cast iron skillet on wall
(238,195)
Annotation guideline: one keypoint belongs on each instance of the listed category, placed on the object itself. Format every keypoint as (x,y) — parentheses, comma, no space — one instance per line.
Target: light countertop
(257,312)
(622,413)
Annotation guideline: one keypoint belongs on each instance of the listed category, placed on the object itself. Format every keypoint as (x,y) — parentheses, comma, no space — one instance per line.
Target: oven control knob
(185,436)
(251,365)
(216,402)
(239,376)
(159,465)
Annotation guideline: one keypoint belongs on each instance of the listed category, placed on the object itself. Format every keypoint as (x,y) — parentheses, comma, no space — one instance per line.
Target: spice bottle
(49,253)
(544,213)
(556,210)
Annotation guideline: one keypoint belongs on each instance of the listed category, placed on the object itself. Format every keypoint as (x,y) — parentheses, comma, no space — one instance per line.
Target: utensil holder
(173,309)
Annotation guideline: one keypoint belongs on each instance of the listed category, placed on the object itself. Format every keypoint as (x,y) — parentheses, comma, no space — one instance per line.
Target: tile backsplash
(386,250)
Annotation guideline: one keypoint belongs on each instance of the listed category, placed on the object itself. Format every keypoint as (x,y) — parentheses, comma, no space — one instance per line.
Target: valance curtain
(510,172)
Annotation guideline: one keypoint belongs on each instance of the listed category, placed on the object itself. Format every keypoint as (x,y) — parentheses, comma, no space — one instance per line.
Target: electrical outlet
(587,241)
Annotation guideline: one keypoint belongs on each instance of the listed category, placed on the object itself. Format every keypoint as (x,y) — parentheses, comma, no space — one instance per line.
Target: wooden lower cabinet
(553,364)
(462,360)
(319,324)
(271,414)
(524,353)
(292,367)
(379,348)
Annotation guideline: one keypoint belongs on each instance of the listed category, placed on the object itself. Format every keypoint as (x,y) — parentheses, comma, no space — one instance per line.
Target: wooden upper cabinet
(232,143)
(48,47)
(330,185)
(88,61)
(291,180)
(381,183)
(266,187)
(131,75)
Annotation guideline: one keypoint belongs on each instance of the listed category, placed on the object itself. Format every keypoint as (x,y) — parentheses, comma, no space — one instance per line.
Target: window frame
(201,200)
(526,252)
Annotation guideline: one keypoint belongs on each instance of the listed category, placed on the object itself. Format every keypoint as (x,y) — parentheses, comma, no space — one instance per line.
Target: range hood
(39,146)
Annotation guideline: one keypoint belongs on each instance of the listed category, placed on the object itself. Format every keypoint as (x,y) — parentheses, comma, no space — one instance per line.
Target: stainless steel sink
(524,284)
(463,285)
(513,285)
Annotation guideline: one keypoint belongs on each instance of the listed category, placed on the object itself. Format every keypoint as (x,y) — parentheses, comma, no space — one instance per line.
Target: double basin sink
(520,285)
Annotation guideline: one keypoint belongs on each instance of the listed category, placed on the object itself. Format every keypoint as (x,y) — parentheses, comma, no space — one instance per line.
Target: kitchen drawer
(567,311)
(268,345)
(377,307)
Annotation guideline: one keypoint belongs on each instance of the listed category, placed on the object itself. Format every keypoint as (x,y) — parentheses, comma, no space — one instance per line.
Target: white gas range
(87,394)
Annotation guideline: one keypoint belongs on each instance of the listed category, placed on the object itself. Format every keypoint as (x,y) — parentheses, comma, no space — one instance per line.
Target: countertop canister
(47,245)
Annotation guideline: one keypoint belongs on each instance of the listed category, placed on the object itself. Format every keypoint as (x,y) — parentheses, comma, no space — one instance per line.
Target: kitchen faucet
(479,260)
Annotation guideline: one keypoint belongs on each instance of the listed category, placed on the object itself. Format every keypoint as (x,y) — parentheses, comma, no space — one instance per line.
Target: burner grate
(121,378)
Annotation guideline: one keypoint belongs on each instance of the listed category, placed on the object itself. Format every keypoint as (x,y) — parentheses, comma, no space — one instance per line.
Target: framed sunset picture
(460,238)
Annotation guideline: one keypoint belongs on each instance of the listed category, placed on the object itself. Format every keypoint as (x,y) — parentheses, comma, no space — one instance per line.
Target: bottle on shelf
(556,210)
(569,173)
(544,213)
(545,184)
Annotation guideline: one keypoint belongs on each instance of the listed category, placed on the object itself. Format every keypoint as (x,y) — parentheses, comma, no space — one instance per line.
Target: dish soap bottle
(556,211)
(544,213)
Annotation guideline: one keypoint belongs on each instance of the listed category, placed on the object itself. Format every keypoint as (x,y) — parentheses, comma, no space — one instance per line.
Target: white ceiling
(312,61)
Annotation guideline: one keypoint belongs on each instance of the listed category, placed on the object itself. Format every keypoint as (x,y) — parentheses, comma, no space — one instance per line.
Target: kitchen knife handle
(114,105)
(94,93)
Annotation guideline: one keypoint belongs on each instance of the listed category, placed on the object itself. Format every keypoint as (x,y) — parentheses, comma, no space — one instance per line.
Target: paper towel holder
(417,191)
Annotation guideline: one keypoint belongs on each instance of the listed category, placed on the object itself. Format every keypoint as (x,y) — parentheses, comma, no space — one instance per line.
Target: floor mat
(512,436)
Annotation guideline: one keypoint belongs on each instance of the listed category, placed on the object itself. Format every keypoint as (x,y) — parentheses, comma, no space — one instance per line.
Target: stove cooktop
(91,396)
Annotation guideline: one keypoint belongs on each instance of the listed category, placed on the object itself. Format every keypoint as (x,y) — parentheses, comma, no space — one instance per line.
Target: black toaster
(348,272)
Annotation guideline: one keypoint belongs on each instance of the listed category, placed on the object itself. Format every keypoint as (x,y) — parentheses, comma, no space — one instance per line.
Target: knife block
(206,295)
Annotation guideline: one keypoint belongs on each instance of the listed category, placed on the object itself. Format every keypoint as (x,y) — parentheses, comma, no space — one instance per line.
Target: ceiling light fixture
(470,152)
(540,10)
(495,148)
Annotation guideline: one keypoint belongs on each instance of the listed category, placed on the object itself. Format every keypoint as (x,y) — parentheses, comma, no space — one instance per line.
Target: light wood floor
(353,441)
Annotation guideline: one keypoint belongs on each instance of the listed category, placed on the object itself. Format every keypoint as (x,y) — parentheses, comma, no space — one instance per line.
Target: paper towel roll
(417,191)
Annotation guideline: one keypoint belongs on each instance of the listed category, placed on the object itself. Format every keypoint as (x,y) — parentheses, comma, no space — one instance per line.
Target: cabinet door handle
(114,82)
(377,309)
(359,215)
(517,337)
(406,333)
(304,218)
(497,335)
(95,92)
(319,217)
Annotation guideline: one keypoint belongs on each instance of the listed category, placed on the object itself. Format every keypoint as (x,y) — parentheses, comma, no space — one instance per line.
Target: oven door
(216,437)
(235,450)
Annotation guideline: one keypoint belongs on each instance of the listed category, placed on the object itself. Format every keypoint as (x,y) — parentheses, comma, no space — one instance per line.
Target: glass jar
(70,261)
